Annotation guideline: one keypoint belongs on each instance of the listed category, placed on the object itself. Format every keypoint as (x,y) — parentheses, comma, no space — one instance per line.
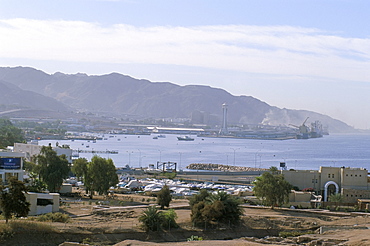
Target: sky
(297,54)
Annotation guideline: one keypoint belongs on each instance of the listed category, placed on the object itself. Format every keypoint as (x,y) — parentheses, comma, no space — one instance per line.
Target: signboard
(10,163)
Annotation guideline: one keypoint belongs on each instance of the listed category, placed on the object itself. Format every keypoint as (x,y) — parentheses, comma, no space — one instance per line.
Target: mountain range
(29,89)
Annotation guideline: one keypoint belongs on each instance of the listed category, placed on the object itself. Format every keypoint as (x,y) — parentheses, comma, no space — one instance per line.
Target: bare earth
(118,225)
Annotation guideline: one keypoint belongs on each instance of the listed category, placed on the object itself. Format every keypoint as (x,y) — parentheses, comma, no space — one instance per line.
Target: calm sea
(140,151)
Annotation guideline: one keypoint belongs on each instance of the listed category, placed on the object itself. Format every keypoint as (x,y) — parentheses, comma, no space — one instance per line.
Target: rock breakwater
(222,167)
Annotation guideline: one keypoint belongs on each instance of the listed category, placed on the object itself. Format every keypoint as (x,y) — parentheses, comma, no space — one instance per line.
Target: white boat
(185,138)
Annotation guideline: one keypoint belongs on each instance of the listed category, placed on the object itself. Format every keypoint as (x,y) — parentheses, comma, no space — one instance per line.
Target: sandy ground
(115,222)
(87,218)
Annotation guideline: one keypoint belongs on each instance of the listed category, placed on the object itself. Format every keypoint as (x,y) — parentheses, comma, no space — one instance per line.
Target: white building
(33,149)
(42,203)
(11,164)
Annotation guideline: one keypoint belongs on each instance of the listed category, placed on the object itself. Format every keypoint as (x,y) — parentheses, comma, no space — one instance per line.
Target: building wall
(330,174)
(31,150)
(352,182)
(35,209)
(354,178)
(352,195)
(303,178)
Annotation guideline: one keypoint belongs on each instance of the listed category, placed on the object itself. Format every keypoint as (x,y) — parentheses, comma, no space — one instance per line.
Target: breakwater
(222,167)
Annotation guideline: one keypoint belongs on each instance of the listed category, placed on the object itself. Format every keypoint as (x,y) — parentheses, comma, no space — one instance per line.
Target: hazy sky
(298,54)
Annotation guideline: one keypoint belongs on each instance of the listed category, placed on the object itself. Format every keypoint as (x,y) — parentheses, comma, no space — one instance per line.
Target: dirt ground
(115,222)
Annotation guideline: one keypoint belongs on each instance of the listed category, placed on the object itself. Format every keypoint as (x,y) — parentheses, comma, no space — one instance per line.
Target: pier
(94,151)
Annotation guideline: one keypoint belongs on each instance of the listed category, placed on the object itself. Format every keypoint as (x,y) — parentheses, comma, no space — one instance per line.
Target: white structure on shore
(223,130)
(33,149)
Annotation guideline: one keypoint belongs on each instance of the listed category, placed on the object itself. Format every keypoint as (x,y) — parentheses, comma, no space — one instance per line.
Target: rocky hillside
(12,97)
(121,95)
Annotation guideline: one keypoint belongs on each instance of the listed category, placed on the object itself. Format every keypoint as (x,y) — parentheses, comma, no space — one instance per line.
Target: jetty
(222,168)
(77,151)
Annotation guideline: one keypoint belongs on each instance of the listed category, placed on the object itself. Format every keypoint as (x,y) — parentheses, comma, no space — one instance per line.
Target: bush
(53,217)
(294,233)
(31,226)
(164,197)
(214,208)
(151,219)
(169,219)
(6,232)
(195,238)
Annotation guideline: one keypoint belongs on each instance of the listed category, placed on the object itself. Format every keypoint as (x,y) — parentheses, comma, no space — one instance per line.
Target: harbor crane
(303,129)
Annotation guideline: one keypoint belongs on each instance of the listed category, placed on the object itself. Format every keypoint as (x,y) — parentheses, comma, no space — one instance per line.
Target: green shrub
(6,232)
(293,233)
(31,226)
(169,219)
(87,241)
(53,217)
(195,238)
(151,219)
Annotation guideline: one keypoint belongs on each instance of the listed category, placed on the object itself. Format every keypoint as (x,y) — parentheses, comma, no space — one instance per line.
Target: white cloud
(281,50)
(303,68)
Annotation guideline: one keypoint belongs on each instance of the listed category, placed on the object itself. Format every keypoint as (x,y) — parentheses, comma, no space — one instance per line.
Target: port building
(351,183)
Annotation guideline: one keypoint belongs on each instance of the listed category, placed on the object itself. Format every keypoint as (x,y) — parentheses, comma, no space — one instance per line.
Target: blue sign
(10,163)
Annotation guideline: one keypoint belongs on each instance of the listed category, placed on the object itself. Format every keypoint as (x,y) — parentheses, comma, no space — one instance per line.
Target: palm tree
(336,198)
(151,219)
(231,211)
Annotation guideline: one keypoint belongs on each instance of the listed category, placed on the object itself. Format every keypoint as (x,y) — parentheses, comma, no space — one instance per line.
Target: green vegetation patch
(53,217)
(294,233)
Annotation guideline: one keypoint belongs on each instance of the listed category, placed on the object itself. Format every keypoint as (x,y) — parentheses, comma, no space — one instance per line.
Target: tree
(272,189)
(12,199)
(151,219)
(154,220)
(79,168)
(101,175)
(52,168)
(214,208)
(231,211)
(169,219)
(34,184)
(274,170)
(164,197)
(9,134)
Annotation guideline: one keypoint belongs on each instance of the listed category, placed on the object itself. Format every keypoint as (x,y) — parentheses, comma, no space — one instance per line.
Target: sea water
(337,150)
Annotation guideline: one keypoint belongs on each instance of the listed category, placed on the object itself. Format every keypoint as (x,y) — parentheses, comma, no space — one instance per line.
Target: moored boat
(185,138)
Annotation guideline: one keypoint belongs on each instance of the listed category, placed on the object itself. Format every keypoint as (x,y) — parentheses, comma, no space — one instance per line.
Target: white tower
(223,130)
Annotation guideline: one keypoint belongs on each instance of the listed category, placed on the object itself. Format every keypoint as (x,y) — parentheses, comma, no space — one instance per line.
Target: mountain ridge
(122,95)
